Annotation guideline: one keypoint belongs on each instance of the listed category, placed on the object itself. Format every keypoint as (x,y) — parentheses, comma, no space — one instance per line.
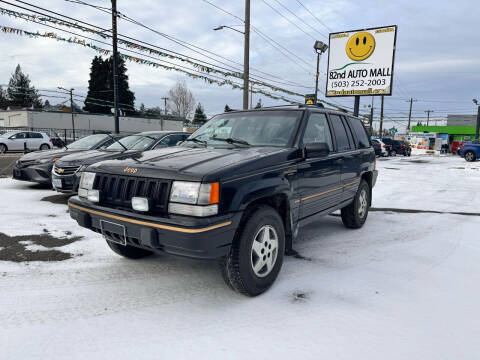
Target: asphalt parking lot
(7,162)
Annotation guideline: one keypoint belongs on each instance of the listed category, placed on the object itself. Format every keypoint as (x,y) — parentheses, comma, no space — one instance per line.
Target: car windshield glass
(7,134)
(258,128)
(133,142)
(87,142)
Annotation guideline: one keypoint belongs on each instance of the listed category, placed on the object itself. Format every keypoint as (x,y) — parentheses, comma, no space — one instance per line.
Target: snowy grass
(405,286)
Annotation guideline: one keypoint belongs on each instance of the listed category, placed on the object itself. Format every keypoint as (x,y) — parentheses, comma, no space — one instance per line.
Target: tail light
(50,139)
(402,147)
(384,147)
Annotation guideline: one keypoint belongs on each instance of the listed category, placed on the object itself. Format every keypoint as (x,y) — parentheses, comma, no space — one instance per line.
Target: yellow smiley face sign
(360,46)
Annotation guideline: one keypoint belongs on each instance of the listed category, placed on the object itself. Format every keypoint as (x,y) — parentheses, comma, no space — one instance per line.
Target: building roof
(452,130)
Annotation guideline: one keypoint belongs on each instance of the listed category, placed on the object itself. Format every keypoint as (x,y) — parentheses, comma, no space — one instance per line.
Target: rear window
(361,136)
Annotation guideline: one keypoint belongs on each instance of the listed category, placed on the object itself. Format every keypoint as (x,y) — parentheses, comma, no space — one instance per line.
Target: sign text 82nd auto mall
(361,62)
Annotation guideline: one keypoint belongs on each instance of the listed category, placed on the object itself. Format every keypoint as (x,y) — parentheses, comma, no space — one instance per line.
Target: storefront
(453,136)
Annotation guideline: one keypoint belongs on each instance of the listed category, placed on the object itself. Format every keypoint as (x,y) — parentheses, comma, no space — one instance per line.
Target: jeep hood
(92,156)
(184,163)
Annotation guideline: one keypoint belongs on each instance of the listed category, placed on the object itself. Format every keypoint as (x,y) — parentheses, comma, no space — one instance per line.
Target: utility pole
(165,101)
(251,95)
(371,118)
(477,128)
(246,55)
(115,66)
(410,113)
(428,115)
(381,117)
(72,110)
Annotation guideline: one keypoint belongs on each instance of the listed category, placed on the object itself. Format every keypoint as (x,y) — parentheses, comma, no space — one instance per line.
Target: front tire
(3,148)
(127,251)
(469,156)
(256,255)
(355,214)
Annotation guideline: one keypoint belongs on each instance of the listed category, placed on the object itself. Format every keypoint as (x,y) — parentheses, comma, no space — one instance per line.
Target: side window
(340,133)
(21,135)
(317,130)
(33,135)
(360,132)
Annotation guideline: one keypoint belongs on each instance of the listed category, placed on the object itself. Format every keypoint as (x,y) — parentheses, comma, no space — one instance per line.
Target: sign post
(360,63)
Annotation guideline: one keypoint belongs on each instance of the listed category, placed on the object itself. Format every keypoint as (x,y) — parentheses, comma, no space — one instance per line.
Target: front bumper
(200,238)
(66,184)
(34,173)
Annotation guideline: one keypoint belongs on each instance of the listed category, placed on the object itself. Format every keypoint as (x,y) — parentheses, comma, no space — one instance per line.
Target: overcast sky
(437,56)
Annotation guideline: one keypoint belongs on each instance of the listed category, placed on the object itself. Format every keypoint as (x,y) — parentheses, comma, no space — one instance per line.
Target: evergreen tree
(227,108)
(100,88)
(259,104)
(199,118)
(20,92)
(3,99)
(142,110)
(47,103)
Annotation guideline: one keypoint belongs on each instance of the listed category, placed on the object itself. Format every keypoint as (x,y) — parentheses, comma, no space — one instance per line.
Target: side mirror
(313,150)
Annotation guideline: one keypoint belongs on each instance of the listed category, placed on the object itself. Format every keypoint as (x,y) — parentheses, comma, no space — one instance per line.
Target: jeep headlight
(194,198)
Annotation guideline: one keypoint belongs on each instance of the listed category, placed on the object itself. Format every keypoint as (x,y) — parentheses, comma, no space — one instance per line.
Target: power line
(314,16)
(290,21)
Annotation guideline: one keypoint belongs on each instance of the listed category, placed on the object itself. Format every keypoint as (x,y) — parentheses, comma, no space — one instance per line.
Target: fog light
(93,196)
(140,204)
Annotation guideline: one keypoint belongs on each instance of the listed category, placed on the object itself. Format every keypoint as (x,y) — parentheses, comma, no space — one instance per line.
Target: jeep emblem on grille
(130,170)
(60,171)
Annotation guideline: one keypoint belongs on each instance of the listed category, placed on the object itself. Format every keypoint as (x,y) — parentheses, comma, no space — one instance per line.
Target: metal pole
(165,101)
(251,95)
(477,129)
(115,66)
(381,117)
(356,105)
(71,110)
(246,55)
(317,76)
(410,113)
(428,115)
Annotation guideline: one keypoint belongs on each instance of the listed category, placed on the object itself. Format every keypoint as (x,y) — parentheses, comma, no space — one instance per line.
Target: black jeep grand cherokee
(238,189)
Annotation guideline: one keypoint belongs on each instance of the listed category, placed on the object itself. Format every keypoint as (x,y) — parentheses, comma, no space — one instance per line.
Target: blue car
(471,150)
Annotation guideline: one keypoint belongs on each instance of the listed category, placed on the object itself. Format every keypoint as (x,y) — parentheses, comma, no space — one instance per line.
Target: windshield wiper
(118,141)
(232,140)
(198,141)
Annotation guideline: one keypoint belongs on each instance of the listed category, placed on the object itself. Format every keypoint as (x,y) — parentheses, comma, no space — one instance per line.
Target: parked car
(381,149)
(470,151)
(37,166)
(399,147)
(238,190)
(66,172)
(21,140)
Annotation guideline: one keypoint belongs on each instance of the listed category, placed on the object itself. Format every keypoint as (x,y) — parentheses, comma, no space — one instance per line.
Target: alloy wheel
(363,203)
(264,251)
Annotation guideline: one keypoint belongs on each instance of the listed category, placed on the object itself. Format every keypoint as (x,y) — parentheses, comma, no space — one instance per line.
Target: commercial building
(61,120)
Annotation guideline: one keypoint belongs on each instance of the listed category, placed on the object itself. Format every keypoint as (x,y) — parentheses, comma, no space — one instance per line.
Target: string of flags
(131,45)
(82,42)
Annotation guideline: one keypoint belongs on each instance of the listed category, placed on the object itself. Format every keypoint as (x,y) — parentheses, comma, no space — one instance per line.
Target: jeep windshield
(133,142)
(255,128)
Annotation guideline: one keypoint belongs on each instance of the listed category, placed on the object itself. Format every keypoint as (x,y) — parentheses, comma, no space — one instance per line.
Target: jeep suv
(239,190)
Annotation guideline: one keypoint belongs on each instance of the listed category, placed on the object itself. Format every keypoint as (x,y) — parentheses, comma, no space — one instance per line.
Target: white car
(385,149)
(20,140)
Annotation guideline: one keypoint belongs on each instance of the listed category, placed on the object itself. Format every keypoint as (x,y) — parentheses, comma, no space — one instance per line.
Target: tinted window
(170,140)
(106,144)
(360,133)
(317,130)
(21,135)
(33,135)
(340,133)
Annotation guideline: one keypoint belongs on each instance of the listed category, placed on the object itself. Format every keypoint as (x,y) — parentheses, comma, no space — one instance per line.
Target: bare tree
(181,98)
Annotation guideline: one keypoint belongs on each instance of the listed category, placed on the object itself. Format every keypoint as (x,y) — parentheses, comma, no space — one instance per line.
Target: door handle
(339,161)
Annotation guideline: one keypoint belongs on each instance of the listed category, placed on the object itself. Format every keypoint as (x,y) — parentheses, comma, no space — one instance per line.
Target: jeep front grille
(117,191)
(65,170)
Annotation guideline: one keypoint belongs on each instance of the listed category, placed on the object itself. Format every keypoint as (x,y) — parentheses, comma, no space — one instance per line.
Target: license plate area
(57,183)
(113,232)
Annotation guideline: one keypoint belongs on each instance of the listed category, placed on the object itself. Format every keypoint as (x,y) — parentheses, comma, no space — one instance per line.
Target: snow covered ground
(405,286)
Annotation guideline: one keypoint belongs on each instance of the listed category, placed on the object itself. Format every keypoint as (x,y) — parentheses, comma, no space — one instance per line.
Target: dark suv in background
(239,190)
(399,147)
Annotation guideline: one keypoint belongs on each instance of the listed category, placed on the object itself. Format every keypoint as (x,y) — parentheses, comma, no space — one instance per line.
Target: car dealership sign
(361,62)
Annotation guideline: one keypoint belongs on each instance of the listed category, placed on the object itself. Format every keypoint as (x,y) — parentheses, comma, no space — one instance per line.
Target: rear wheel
(355,214)
(44,147)
(256,255)
(393,153)
(3,148)
(128,251)
(470,156)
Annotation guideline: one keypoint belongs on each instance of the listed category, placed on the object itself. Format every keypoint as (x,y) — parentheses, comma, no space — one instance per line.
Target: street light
(228,27)
(71,108)
(477,128)
(320,47)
